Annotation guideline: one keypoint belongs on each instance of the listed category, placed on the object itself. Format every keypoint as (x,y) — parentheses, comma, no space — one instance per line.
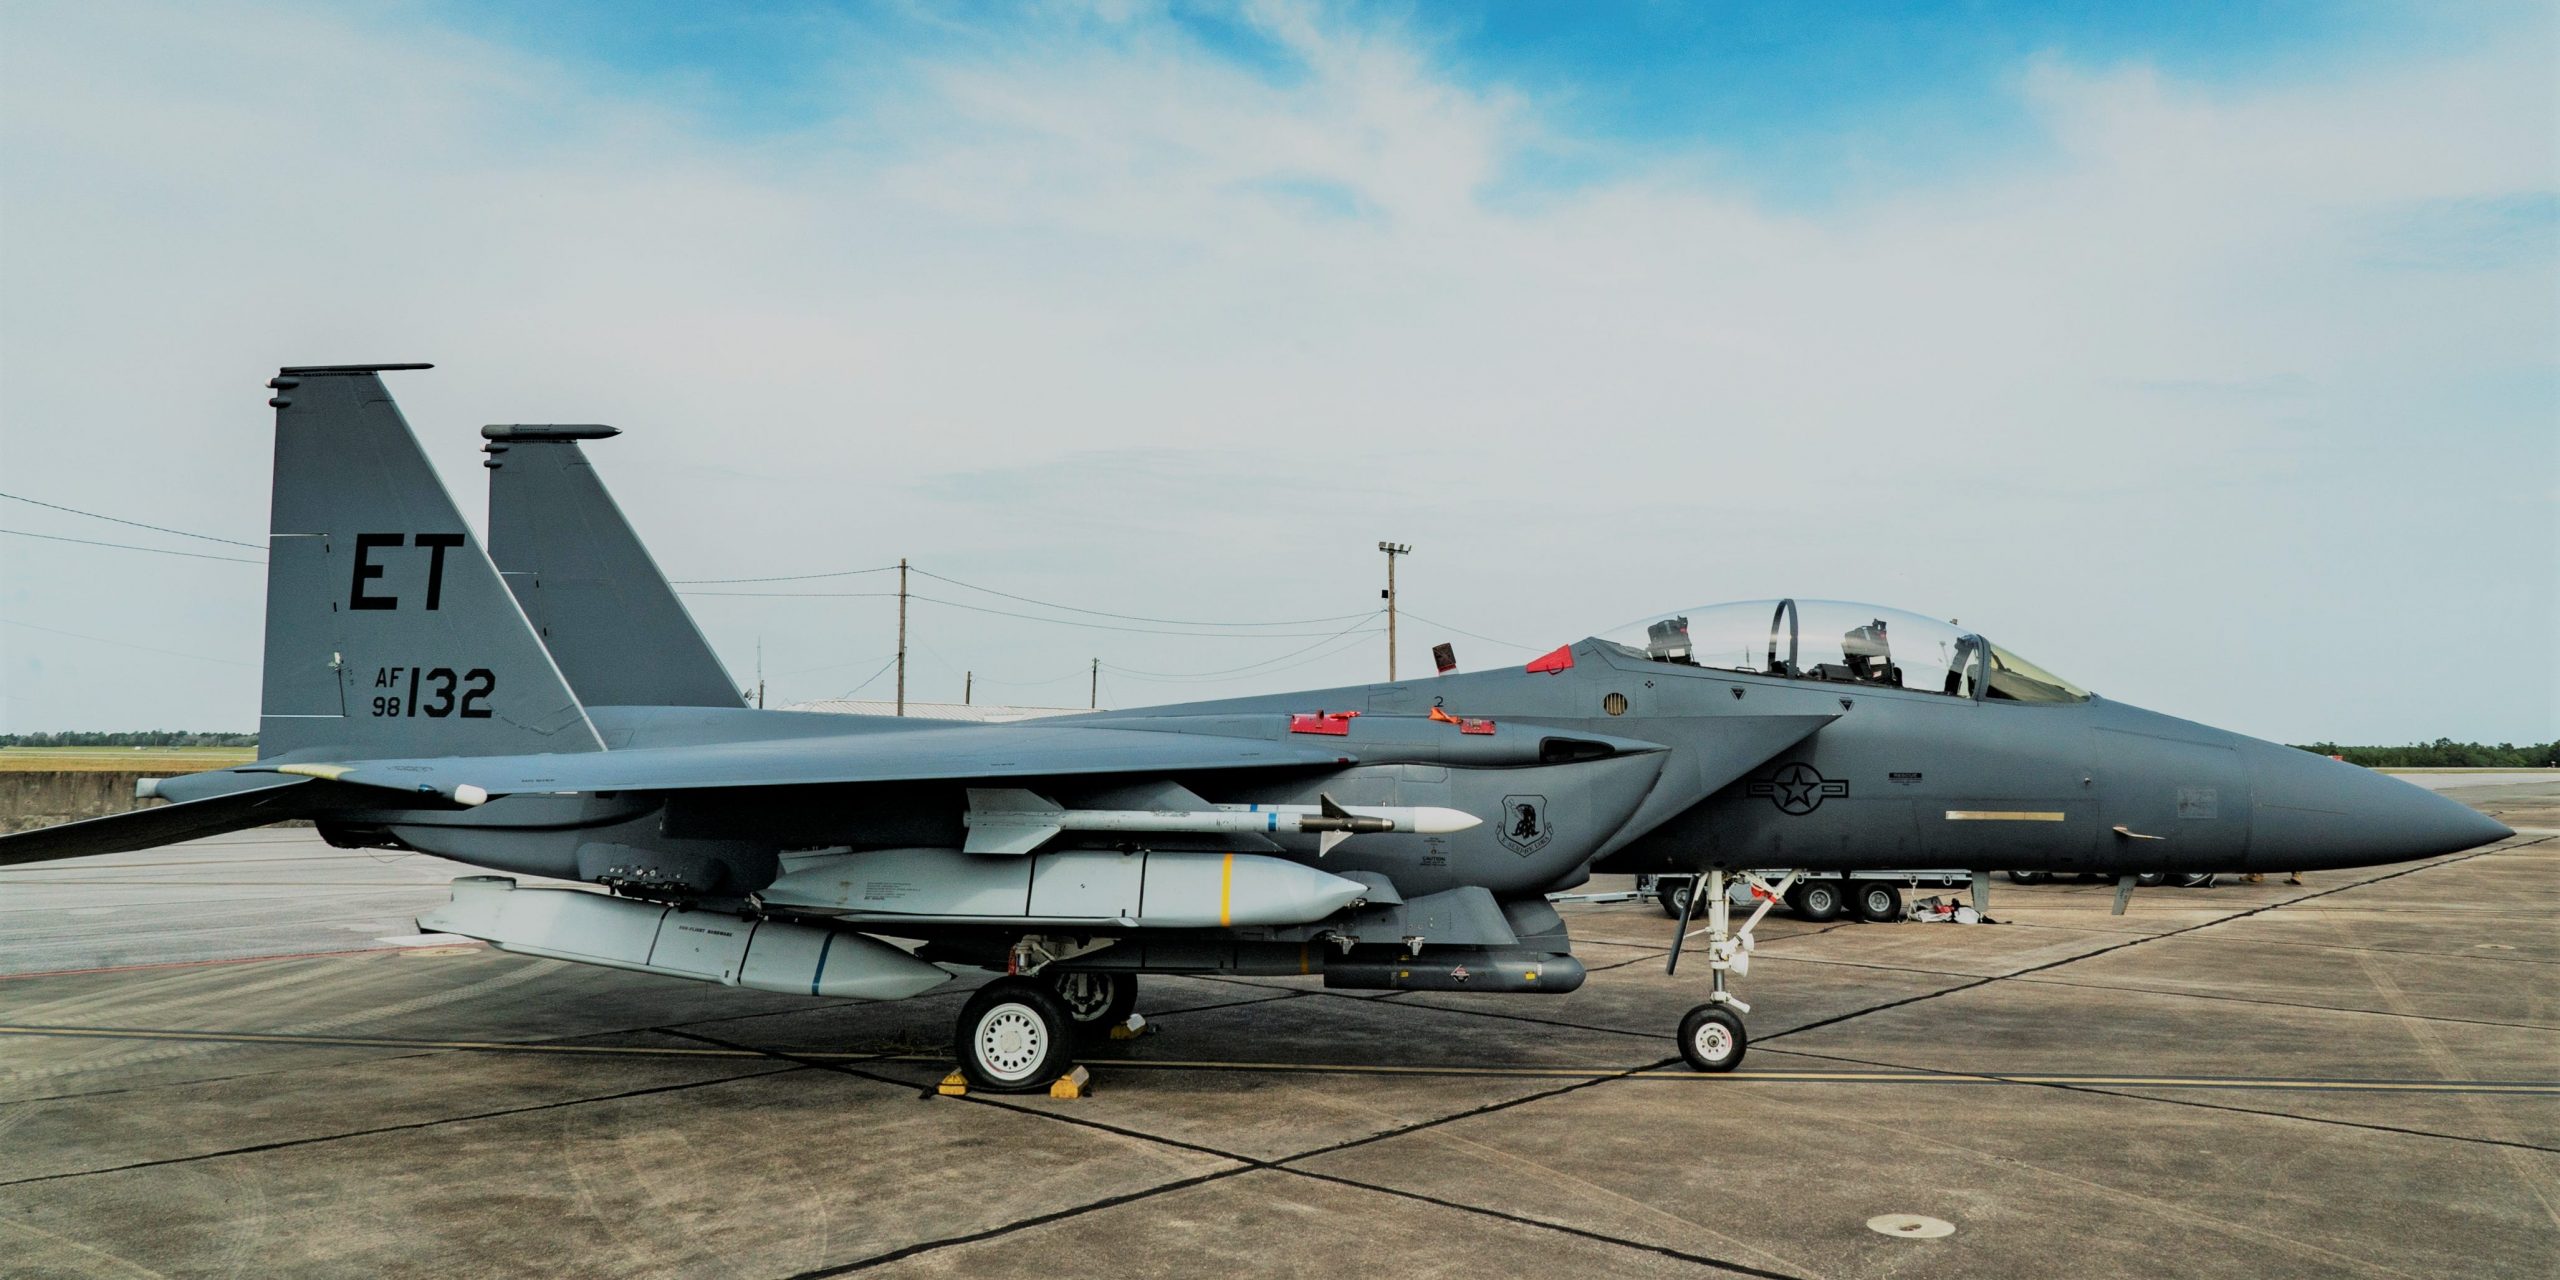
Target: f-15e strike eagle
(544,706)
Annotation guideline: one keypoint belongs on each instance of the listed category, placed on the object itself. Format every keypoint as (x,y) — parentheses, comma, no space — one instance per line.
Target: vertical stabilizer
(591,589)
(388,630)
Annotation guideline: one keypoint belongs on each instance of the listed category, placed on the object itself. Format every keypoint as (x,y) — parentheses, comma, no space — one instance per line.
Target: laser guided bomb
(545,706)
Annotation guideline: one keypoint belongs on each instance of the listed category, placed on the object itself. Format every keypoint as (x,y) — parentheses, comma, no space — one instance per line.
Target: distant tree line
(2445,753)
(135,738)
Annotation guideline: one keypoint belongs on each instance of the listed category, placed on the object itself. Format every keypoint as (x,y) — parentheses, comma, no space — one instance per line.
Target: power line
(1322,640)
(1192,675)
(1031,684)
(1347,643)
(127,644)
(1508,644)
(788,577)
(1152,631)
(1132,617)
(128,546)
(39,502)
(832,666)
(884,670)
(1028,617)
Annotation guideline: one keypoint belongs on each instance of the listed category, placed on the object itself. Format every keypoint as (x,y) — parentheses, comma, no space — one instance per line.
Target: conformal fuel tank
(1132,890)
(706,946)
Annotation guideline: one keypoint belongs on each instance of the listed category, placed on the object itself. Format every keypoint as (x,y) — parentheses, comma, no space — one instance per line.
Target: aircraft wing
(958,753)
(165,824)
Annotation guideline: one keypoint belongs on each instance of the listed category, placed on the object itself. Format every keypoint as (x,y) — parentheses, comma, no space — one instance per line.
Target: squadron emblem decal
(1524,828)
(1799,788)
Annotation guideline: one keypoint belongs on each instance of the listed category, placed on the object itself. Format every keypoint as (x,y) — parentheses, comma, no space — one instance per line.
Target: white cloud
(2205,404)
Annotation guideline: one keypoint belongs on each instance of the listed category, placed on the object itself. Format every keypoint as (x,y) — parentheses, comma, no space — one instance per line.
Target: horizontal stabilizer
(166,824)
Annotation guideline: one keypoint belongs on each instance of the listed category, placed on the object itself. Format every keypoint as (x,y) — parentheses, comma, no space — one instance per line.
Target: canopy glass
(1833,640)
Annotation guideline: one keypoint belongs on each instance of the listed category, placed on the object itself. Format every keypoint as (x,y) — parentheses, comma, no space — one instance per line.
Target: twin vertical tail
(592,591)
(389,629)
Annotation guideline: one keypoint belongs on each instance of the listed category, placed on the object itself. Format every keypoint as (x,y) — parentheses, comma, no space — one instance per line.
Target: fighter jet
(544,706)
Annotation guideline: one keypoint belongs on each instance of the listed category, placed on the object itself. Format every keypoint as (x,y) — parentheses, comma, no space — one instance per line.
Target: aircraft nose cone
(2313,812)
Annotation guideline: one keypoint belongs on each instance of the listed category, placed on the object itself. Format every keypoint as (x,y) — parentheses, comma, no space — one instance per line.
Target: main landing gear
(1095,1000)
(1711,1036)
(1015,1036)
(1022,1031)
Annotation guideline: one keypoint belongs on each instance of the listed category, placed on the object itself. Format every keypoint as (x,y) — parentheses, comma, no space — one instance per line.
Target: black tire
(2193,880)
(1711,1038)
(1820,900)
(1014,1037)
(1672,893)
(1876,903)
(2026,877)
(1096,1000)
(2149,878)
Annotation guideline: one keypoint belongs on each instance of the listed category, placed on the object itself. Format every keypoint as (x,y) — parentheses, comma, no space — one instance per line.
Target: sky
(2206,354)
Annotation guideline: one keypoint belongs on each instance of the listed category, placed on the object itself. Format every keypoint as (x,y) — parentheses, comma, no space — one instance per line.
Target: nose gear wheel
(1711,1035)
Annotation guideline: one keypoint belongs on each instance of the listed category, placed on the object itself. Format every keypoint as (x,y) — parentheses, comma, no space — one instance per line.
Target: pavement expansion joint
(2296,1004)
(2114,1087)
(1244,1164)
(438,1122)
(1162,1118)
(2129,943)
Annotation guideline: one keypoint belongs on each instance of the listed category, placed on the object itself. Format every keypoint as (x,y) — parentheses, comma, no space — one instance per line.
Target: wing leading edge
(939,754)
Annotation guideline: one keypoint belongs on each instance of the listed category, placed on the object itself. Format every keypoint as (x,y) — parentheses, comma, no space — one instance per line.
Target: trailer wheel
(1878,903)
(2195,880)
(1674,895)
(2149,878)
(1820,900)
(2026,877)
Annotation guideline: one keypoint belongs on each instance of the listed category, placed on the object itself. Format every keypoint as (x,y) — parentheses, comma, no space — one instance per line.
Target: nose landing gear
(1711,1035)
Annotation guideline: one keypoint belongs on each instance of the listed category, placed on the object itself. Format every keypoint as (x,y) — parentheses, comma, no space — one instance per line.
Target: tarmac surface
(235,1056)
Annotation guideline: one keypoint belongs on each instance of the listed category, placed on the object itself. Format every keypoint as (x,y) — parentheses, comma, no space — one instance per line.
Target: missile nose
(1436,821)
(2312,812)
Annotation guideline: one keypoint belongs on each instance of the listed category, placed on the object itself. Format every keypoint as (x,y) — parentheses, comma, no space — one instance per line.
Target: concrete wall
(40,799)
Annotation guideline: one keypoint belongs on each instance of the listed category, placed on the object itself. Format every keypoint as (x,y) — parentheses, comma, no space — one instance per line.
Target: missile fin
(1008,821)
(1010,800)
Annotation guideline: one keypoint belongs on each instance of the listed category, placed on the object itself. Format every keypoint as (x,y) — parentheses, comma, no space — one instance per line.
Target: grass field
(112,759)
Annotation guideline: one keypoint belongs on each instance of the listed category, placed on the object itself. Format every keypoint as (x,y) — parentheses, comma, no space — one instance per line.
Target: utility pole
(1393,549)
(968,685)
(902,635)
(759,673)
(1093,697)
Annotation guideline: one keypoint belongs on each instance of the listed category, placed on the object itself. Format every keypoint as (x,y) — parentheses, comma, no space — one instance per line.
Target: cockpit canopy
(1848,643)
